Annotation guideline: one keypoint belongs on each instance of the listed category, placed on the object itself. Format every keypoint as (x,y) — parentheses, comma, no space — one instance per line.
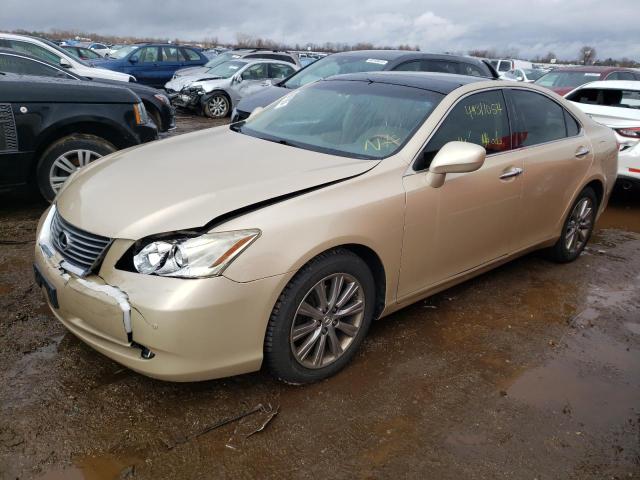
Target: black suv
(365,61)
(50,127)
(155,101)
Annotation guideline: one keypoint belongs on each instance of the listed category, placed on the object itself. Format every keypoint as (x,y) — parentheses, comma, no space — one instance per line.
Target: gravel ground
(529,371)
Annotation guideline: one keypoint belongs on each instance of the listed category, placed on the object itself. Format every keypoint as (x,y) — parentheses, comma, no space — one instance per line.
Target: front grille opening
(81,249)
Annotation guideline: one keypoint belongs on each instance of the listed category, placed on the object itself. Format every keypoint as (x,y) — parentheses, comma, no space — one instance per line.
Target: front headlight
(205,256)
(140,113)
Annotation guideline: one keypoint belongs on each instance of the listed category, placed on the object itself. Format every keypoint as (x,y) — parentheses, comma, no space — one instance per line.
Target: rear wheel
(321,318)
(64,157)
(217,105)
(577,228)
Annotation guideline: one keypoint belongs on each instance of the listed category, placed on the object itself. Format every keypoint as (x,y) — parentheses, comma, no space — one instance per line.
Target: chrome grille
(81,249)
(8,135)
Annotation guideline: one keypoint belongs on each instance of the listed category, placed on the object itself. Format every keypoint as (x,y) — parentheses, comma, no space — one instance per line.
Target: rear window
(567,79)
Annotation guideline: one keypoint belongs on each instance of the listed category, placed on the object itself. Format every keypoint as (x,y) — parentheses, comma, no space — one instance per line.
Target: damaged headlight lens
(205,256)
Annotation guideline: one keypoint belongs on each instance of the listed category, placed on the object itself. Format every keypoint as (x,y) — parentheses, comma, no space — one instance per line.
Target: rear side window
(608,97)
(537,119)
(169,54)
(573,127)
(480,118)
(621,76)
(469,69)
(190,55)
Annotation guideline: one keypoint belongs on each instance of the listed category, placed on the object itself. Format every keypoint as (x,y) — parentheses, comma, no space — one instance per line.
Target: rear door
(557,155)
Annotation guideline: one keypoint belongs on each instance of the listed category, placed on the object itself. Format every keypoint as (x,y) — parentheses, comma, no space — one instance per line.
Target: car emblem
(63,239)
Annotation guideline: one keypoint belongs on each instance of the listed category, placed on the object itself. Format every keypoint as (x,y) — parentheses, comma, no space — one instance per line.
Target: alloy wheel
(217,106)
(579,225)
(327,320)
(67,163)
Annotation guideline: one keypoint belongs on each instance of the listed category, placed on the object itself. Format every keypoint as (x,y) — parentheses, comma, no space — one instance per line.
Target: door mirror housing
(520,78)
(455,157)
(237,78)
(64,63)
(133,59)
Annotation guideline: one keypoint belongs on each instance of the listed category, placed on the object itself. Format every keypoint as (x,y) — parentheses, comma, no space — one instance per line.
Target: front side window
(480,118)
(148,55)
(470,69)
(537,119)
(355,119)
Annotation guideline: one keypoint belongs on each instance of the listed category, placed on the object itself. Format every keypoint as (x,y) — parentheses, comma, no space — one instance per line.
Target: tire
(217,105)
(583,215)
(282,352)
(155,117)
(78,150)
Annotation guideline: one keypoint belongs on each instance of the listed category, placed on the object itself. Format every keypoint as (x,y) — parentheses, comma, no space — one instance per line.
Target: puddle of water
(93,468)
(595,380)
(623,212)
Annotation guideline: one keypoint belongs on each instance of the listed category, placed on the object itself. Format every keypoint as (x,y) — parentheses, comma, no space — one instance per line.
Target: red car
(563,80)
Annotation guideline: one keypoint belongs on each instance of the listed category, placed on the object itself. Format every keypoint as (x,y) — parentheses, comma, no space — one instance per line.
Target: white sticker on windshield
(285,100)
(235,56)
(376,61)
(233,67)
(591,74)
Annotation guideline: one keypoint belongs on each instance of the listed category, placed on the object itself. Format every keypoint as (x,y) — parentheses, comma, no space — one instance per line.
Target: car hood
(187,181)
(177,84)
(262,98)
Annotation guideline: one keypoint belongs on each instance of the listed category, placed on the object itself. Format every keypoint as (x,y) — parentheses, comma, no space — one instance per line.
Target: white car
(100,48)
(527,75)
(616,104)
(50,52)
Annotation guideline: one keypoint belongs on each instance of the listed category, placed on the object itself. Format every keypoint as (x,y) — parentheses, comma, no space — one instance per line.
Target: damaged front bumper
(167,328)
(188,97)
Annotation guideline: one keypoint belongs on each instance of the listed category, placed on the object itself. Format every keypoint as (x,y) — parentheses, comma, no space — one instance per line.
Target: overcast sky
(530,26)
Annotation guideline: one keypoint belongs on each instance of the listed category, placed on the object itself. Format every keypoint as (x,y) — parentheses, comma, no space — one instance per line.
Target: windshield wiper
(237,127)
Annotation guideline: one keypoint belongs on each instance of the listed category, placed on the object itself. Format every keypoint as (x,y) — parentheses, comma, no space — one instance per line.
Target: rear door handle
(582,152)
(514,172)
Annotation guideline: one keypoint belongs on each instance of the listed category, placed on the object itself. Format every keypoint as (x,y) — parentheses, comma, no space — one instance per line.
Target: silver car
(216,92)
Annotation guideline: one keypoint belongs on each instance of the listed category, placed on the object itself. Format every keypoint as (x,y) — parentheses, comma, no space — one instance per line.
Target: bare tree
(587,55)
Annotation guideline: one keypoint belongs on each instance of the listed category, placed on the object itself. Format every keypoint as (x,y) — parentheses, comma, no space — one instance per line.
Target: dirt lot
(530,371)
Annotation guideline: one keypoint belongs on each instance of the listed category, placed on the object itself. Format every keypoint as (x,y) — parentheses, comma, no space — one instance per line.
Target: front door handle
(582,152)
(514,172)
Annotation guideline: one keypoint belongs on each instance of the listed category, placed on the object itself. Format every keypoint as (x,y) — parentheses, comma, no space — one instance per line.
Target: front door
(471,219)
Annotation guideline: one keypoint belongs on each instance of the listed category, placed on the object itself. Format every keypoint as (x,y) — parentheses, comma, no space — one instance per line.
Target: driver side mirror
(455,157)
(520,78)
(64,63)
(133,59)
(237,78)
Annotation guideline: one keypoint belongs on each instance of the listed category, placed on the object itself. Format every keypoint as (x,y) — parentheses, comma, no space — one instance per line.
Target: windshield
(226,69)
(123,52)
(223,57)
(61,50)
(335,65)
(567,79)
(533,74)
(355,119)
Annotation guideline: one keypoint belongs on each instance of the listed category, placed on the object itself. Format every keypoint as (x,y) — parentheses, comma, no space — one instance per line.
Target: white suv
(50,52)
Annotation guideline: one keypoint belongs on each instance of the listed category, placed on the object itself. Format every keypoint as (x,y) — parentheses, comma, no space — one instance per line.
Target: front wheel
(64,157)
(216,106)
(321,318)
(577,228)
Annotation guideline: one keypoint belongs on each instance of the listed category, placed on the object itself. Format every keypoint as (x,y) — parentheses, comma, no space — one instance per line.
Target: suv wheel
(216,106)
(321,318)
(64,157)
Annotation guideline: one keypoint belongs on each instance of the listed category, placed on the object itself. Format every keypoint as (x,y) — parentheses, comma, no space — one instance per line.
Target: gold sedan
(278,240)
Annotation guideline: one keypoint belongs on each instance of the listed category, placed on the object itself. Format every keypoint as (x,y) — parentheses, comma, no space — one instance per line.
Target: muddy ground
(531,371)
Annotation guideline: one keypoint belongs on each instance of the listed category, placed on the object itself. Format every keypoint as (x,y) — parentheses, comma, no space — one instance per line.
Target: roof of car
(613,85)
(397,54)
(592,69)
(443,83)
